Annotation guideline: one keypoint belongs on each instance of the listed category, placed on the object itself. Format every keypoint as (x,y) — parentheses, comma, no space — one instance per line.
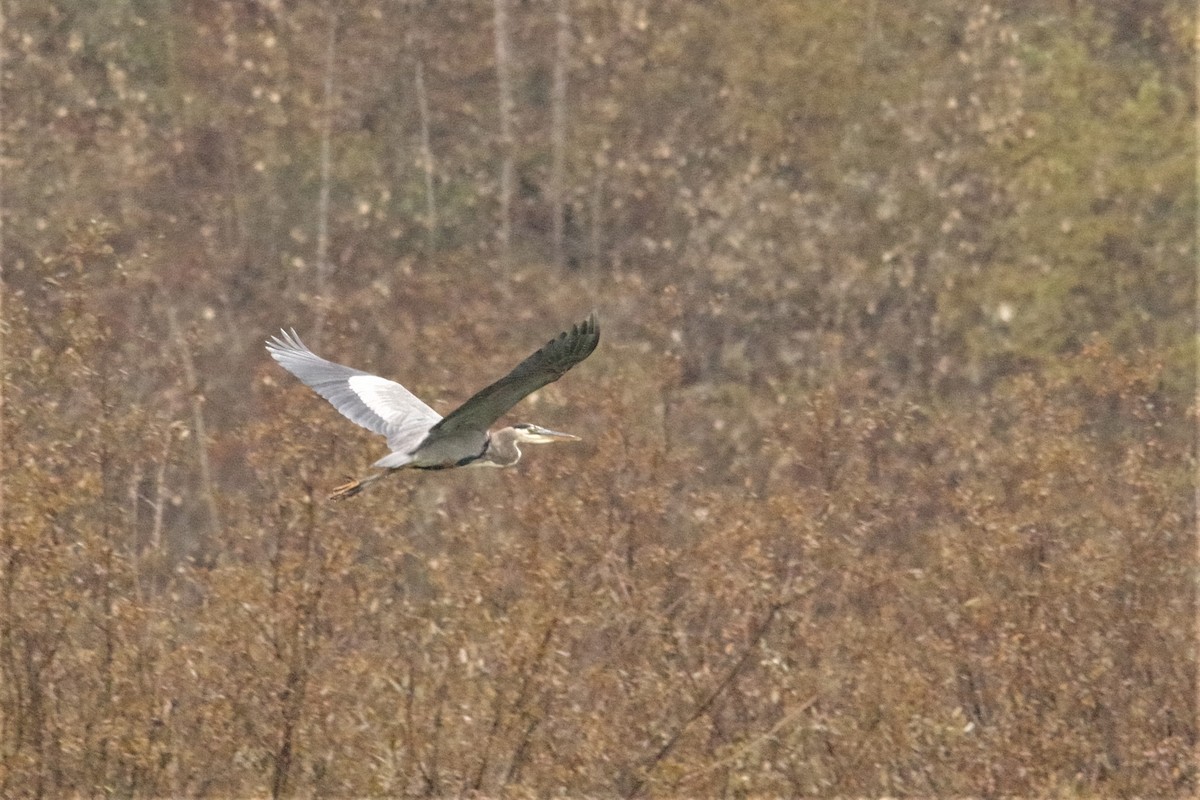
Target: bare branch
(160,491)
(431,215)
(3,321)
(323,198)
(198,426)
(507,143)
(639,783)
(559,129)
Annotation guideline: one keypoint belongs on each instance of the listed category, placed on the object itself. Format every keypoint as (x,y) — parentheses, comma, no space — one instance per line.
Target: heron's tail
(355,486)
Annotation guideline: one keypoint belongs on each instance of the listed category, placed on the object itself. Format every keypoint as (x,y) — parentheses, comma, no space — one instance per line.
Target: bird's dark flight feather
(548,364)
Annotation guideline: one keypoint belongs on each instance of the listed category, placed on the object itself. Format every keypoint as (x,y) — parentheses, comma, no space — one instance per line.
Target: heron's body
(499,450)
(419,437)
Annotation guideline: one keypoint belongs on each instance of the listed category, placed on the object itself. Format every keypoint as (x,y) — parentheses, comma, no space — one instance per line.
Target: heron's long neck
(502,449)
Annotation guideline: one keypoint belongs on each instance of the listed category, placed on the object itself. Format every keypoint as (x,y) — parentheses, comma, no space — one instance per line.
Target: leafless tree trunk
(595,212)
(8,563)
(562,48)
(198,426)
(431,216)
(160,492)
(3,321)
(507,143)
(872,28)
(322,301)
(1196,393)
(136,474)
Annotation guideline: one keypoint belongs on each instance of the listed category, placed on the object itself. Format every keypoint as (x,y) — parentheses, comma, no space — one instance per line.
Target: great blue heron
(418,436)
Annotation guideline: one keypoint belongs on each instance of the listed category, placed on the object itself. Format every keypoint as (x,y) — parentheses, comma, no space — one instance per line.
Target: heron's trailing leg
(354,487)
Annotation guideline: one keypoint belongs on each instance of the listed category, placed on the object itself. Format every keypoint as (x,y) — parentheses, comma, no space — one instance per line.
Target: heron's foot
(346,490)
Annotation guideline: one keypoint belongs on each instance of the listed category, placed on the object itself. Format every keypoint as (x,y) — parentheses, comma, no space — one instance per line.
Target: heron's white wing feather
(399,407)
(375,403)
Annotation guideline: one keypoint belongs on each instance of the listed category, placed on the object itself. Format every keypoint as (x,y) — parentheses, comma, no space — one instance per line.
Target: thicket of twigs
(885,484)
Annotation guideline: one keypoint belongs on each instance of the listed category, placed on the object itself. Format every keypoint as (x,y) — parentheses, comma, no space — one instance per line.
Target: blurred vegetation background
(886,485)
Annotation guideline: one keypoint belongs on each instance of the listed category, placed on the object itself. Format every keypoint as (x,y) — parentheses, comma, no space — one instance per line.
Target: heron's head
(535,434)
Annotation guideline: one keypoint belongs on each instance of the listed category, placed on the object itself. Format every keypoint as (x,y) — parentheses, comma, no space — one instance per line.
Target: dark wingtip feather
(586,335)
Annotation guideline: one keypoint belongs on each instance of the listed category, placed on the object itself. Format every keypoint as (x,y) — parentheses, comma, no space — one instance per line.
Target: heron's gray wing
(375,403)
(549,364)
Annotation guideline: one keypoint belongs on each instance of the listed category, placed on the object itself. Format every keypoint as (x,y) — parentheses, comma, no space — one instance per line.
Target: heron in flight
(418,436)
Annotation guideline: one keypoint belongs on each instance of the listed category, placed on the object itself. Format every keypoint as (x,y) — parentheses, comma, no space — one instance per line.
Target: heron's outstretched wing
(549,364)
(379,405)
